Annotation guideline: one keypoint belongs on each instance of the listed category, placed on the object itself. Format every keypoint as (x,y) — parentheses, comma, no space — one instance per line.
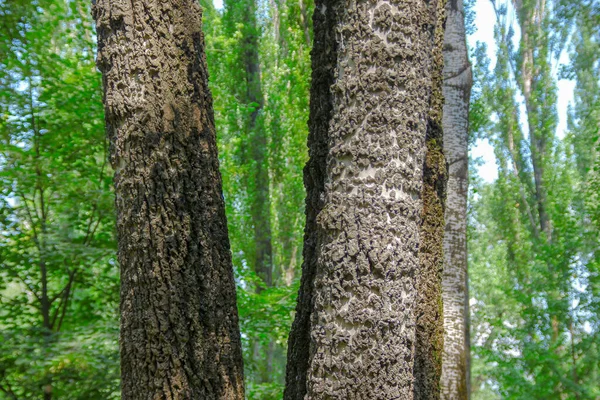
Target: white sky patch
(565,96)
(218,4)
(485,20)
(488,171)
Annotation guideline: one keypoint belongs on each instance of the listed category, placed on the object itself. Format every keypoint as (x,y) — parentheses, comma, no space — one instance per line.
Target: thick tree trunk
(457,90)
(430,327)
(354,333)
(179,323)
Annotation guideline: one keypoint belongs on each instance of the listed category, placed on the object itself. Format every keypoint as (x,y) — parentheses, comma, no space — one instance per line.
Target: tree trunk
(530,19)
(457,90)
(304,21)
(260,208)
(179,322)
(354,332)
(430,328)
(259,190)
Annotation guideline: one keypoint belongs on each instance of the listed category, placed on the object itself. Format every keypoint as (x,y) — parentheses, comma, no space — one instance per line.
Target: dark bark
(354,332)
(430,326)
(179,322)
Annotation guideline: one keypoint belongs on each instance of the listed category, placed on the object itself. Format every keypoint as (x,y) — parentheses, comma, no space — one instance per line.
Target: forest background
(534,206)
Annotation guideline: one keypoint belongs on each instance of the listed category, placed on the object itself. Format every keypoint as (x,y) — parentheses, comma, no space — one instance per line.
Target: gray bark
(179,322)
(457,88)
(354,332)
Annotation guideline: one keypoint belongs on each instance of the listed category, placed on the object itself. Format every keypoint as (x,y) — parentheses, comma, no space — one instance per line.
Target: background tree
(369,103)
(535,291)
(241,19)
(179,322)
(455,378)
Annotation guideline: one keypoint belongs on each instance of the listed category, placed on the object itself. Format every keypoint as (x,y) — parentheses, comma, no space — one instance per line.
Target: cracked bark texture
(430,327)
(179,322)
(354,332)
(457,90)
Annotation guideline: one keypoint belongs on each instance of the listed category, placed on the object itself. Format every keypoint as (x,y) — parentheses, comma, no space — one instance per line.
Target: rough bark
(354,332)
(179,322)
(457,89)
(430,327)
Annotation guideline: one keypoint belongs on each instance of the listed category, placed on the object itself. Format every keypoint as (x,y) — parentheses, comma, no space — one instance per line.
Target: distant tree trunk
(430,329)
(457,89)
(304,21)
(530,18)
(260,207)
(257,142)
(354,332)
(179,322)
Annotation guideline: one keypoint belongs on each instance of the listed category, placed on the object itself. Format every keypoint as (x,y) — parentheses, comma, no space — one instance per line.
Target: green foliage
(535,290)
(534,255)
(59,278)
(283,53)
(58,282)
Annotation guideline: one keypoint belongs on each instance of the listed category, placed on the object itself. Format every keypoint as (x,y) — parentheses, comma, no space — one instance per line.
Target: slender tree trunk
(40,239)
(260,203)
(457,90)
(530,21)
(260,208)
(354,332)
(275,17)
(530,18)
(304,21)
(430,329)
(179,322)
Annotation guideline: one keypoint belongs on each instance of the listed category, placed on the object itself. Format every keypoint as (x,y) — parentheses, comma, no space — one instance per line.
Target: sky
(484,22)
